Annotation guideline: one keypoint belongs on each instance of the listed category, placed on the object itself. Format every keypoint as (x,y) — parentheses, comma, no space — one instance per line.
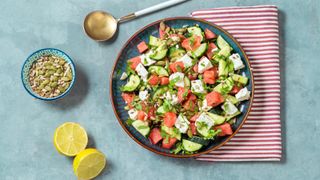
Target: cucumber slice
(132,84)
(222,43)
(204,131)
(159,54)
(232,99)
(159,92)
(199,140)
(225,87)
(200,50)
(153,41)
(176,52)
(226,51)
(161,71)
(171,132)
(216,118)
(241,79)
(190,146)
(229,117)
(223,68)
(141,126)
(195,30)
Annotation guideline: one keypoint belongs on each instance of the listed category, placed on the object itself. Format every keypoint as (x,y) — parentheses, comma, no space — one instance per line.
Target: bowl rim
(182,155)
(56,97)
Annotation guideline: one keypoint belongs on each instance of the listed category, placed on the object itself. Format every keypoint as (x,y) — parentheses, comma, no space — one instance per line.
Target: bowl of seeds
(48,74)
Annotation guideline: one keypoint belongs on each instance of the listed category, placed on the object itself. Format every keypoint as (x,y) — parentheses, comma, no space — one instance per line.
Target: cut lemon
(89,163)
(70,138)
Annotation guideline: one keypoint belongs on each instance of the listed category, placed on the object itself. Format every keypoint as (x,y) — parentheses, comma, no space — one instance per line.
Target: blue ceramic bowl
(129,50)
(34,57)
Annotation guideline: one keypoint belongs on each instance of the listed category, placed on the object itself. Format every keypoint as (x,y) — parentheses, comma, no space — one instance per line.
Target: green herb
(178,148)
(174,81)
(213,133)
(129,121)
(138,106)
(143,127)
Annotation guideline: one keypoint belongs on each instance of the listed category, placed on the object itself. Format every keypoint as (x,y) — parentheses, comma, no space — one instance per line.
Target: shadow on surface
(112,40)
(282,44)
(77,93)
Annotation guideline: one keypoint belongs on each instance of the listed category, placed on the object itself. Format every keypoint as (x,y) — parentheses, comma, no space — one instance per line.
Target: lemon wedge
(89,163)
(70,139)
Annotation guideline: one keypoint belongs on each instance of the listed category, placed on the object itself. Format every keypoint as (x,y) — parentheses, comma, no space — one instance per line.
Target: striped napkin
(256,29)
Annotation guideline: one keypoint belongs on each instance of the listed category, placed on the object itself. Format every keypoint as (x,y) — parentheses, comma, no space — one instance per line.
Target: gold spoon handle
(150,10)
(127,18)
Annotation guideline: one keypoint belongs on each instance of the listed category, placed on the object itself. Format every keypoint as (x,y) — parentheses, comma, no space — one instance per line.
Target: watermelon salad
(185,88)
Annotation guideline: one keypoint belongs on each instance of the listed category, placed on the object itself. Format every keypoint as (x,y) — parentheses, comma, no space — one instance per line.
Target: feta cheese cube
(143,95)
(146,60)
(182,123)
(141,70)
(186,60)
(243,94)
(229,108)
(124,76)
(172,98)
(133,114)
(204,64)
(197,86)
(237,63)
(206,119)
(178,78)
(205,106)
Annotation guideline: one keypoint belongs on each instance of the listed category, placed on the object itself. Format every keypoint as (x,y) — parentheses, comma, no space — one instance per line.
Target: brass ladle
(102,26)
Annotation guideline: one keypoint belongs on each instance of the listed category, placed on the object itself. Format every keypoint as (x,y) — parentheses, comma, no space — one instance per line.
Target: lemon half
(89,163)
(70,138)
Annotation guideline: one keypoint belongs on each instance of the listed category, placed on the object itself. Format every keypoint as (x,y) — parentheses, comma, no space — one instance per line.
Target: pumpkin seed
(50,76)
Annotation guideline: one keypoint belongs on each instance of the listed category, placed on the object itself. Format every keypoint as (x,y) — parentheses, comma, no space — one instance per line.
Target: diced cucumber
(132,84)
(200,50)
(225,87)
(195,30)
(161,71)
(217,118)
(190,146)
(170,131)
(159,53)
(223,68)
(199,140)
(241,79)
(141,126)
(160,91)
(222,43)
(153,41)
(232,99)
(229,117)
(176,52)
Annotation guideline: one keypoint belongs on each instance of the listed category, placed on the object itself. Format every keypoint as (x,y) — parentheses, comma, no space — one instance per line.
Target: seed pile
(50,76)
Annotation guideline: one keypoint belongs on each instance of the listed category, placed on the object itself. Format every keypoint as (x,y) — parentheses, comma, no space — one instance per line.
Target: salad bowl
(129,50)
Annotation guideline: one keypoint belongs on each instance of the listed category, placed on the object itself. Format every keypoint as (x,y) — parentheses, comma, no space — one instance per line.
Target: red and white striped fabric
(256,29)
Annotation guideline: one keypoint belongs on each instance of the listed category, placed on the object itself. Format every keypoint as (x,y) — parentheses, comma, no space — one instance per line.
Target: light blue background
(27,125)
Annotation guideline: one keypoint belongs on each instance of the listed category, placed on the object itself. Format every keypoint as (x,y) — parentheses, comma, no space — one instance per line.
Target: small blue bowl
(34,57)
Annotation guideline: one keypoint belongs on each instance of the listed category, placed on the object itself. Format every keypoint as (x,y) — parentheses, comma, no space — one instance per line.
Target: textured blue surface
(33,58)
(27,124)
(130,50)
